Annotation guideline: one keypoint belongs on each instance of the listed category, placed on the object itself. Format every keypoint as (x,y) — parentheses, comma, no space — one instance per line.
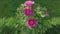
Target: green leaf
(42,15)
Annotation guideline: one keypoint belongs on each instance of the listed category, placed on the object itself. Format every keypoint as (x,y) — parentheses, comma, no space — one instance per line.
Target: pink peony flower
(31,22)
(46,13)
(29,3)
(27,11)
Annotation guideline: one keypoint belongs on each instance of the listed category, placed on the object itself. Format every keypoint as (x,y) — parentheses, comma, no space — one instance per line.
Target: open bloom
(46,13)
(27,11)
(31,22)
(29,3)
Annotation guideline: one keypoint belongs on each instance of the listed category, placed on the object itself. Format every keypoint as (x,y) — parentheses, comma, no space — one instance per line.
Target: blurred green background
(8,13)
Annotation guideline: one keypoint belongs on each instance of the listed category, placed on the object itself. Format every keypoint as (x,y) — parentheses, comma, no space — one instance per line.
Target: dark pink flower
(46,13)
(28,11)
(29,3)
(31,22)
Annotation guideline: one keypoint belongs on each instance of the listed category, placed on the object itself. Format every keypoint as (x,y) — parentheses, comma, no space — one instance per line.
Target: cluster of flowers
(31,22)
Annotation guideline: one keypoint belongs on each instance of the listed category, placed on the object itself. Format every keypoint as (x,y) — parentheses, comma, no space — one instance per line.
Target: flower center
(31,22)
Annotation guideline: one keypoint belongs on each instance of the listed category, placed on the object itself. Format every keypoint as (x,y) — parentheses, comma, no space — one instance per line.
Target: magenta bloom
(46,13)
(31,22)
(29,3)
(28,11)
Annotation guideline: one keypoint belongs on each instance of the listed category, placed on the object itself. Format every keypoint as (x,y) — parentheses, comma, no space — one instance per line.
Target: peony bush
(33,18)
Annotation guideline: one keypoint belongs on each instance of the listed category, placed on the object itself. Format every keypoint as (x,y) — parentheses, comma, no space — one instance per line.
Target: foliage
(8,9)
(43,23)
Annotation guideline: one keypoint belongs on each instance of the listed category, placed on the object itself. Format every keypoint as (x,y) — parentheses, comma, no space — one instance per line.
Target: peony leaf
(42,15)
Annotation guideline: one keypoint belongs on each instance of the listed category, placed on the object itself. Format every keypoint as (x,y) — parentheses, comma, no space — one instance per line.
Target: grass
(8,10)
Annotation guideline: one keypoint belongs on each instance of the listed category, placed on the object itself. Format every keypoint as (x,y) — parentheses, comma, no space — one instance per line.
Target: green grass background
(8,12)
